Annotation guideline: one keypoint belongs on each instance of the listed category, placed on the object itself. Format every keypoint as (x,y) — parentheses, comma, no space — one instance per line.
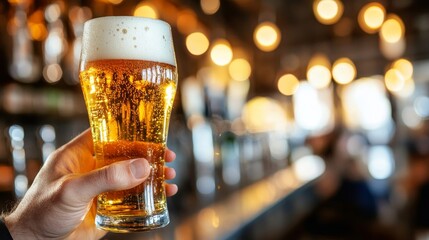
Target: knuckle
(110,176)
(64,190)
(115,176)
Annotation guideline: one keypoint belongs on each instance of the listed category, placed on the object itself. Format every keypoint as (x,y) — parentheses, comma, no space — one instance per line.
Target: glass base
(123,224)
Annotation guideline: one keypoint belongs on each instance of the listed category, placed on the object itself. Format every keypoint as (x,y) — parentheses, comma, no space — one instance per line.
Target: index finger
(83,142)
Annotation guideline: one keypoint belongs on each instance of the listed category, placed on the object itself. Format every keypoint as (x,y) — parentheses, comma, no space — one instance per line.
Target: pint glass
(128,77)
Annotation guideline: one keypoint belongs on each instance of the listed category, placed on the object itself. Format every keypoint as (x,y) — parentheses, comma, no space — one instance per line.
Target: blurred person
(59,204)
(414,183)
(348,208)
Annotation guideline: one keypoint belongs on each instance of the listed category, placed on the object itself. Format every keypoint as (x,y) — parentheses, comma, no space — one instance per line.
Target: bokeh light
(197,43)
(365,104)
(267,36)
(308,167)
(343,71)
(221,53)
(240,69)
(313,108)
(288,84)
(36,26)
(371,17)
(52,73)
(405,67)
(421,106)
(262,114)
(210,7)
(318,71)
(115,2)
(393,29)
(52,12)
(394,80)
(147,10)
(328,11)
(381,162)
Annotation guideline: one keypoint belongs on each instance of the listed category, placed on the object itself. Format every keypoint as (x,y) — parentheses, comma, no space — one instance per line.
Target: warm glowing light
(392,29)
(288,84)
(146,10)
(328,11)
(210,7)
(407,90)
(115,2)
(267,36)
(215,77)
(52,73)
(52,12)
(240,69)
(406,69)
(308,167)
(394,80)
(197,43)
(404,66)
(38,31)
(263,115)
(371,17)
(365,104)
(319,76)
(186,21)
(318,71)
(343,71)
(313,108)
(392,50)
(221,53)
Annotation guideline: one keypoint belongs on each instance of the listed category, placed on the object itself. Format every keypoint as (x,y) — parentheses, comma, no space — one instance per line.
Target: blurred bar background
(293,120)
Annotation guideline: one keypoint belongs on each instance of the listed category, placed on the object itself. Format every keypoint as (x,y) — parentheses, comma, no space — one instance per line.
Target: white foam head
(127,37)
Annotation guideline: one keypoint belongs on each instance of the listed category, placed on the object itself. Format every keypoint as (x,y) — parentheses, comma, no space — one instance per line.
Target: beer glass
(128,77)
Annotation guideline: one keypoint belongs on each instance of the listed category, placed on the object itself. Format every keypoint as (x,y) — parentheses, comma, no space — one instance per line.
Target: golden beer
(129,102)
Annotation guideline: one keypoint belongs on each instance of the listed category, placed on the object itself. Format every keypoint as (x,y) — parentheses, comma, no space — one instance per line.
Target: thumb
(114,177)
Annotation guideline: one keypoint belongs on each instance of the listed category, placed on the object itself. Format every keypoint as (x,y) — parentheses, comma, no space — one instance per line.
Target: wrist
(16,230)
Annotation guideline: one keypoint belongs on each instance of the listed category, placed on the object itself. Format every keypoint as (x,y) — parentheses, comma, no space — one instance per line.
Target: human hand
(58,205)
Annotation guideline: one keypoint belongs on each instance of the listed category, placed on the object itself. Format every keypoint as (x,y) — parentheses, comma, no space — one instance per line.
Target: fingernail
(140,168)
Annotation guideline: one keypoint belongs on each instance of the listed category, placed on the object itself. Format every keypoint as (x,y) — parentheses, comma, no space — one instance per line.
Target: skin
(59,203)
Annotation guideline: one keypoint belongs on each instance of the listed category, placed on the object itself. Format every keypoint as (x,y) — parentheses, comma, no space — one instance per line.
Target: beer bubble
(135,46)
(124,31)
(146,28)
(117,29)
(134,38)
